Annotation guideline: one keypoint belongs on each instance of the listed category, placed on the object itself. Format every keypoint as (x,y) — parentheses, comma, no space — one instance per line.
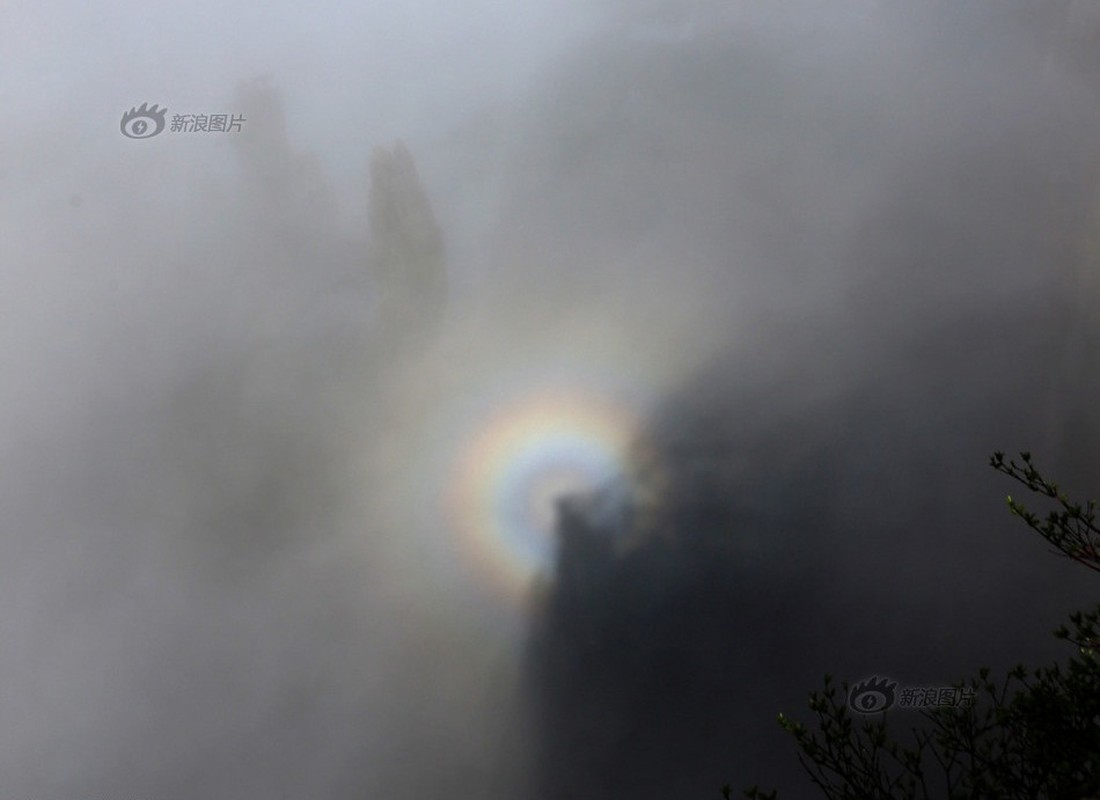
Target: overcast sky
(286,410)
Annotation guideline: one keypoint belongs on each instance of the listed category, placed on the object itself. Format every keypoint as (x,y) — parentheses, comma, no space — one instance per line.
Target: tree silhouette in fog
(1034,735)
(397,265)
(324,315)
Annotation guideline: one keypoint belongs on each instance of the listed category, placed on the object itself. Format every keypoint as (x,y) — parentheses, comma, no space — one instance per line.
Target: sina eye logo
(872,695)
(143,122)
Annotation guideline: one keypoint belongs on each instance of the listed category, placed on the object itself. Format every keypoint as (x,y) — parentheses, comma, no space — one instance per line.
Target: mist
(525,403)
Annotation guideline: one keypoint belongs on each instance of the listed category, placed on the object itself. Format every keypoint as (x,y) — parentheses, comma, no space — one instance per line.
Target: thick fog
(526,401)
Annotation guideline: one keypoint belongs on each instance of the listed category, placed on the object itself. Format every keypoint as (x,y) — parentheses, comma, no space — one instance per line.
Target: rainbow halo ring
(523,457)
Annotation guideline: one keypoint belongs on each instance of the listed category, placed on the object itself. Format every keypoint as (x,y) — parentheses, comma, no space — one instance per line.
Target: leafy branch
(1035,735)
(1071,528)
